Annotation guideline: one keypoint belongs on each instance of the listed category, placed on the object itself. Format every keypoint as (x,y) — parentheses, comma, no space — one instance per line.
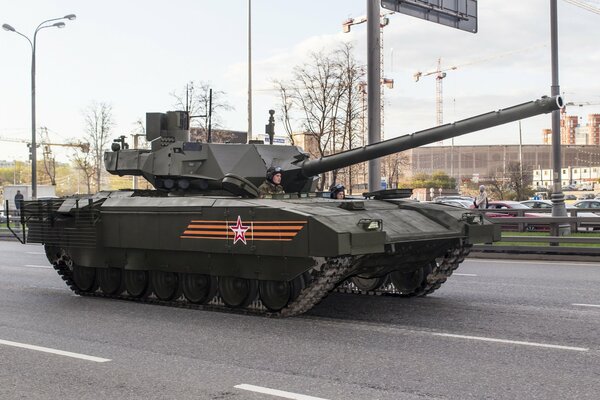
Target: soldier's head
(274,175)
(337,191)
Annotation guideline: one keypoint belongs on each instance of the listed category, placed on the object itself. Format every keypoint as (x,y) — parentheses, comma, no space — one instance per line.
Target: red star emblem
(239,230)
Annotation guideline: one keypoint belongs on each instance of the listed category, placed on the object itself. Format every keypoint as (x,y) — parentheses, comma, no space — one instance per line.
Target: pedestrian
(18,202)
(481,201)
(271,185)
(337,191)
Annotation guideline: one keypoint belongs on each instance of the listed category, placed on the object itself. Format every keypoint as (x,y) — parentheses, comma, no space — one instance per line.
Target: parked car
(456,202)
(537,203)
(586,196)
(570,197)
(592,205)
(515,205)
(2,217)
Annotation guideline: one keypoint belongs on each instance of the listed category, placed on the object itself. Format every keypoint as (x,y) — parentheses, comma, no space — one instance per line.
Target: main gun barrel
(530,109)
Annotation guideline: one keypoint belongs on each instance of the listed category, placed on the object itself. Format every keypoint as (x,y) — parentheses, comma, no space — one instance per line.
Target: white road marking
(365,326)
(557,263)
(36,266)
(486,339)
(455,274)
(34,252)
(275,392)
(54,351)
(586,305)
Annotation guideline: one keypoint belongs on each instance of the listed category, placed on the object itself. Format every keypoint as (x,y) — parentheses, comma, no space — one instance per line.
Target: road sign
(460,14)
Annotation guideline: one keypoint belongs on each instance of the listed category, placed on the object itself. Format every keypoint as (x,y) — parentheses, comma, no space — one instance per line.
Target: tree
(84,162)
(98,124)
(439,179)
(322,98)
(195,98)
(519,181)
(497,187)
(391,166)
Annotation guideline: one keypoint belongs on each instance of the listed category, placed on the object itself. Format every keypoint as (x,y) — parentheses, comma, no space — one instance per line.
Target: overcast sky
(133,54)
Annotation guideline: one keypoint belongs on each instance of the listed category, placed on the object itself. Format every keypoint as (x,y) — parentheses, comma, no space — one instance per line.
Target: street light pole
(33,149)
(374,93)
(558,198)
(249,70)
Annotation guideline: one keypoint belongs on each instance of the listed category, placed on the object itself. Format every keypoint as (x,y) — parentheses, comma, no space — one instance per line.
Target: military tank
(203,239)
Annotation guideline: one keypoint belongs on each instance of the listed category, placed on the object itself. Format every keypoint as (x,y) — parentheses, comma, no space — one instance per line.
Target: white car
(537,203)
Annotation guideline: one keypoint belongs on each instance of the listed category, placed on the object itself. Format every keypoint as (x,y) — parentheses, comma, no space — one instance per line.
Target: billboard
(459,14)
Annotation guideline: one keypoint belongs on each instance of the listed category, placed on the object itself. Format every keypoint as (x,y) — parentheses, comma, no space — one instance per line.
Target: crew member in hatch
(337,191)
(272,185)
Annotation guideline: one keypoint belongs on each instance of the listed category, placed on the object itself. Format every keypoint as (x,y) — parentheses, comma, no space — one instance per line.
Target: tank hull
(269,240)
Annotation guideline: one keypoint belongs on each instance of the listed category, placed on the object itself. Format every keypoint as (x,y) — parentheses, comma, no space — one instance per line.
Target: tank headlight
(371,224)
(473,218)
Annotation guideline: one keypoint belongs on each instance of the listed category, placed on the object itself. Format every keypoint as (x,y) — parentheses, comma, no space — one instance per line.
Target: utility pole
(374,92)
(558,198)
(249,70)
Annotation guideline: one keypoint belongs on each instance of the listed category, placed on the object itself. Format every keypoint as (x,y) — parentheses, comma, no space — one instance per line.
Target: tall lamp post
(42,25)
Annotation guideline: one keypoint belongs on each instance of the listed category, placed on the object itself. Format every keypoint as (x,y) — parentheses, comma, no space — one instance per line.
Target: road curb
(533,256)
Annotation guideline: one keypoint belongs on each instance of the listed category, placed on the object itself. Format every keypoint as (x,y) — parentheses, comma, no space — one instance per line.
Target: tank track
(324,276)
(434,280)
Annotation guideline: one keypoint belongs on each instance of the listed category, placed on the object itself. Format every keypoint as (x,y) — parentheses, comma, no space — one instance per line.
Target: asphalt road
(496,330)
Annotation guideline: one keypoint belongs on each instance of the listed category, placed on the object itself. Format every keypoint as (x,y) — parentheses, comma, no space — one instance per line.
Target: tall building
(572,132)
(568,126)
(593,125)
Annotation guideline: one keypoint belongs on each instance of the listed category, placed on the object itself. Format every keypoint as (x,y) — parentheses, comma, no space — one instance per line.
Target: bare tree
(98,124)
(498,187)
(391,167)
(286,106)
(84,162)
(195,98)
(323,91)
(519,180)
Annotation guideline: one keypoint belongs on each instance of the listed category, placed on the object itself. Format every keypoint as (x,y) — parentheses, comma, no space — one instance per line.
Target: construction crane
(49,162)
(440,74)
(84,146)
(585,5)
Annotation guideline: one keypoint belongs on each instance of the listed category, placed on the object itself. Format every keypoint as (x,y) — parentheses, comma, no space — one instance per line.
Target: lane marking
(553,263)
(464,274)
(54,351)
(275,392)
(486,339)
(36,266)
(366,326)
(34,252)
(586,305)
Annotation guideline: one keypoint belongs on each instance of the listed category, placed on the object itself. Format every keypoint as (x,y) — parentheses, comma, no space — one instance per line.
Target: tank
(203,239)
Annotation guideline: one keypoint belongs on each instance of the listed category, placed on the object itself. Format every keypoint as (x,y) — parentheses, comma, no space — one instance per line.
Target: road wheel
(237,292)
(199,288)
(85,278)
(110,280)
(137,283)
(275,295)
(165,284)
(368,284)
(408,283)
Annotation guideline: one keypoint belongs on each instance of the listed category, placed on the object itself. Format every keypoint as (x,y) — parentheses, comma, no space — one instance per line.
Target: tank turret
(175,164)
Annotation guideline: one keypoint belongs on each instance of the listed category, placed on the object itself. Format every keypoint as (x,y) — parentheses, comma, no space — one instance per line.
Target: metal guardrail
(523,223)
(556,245)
